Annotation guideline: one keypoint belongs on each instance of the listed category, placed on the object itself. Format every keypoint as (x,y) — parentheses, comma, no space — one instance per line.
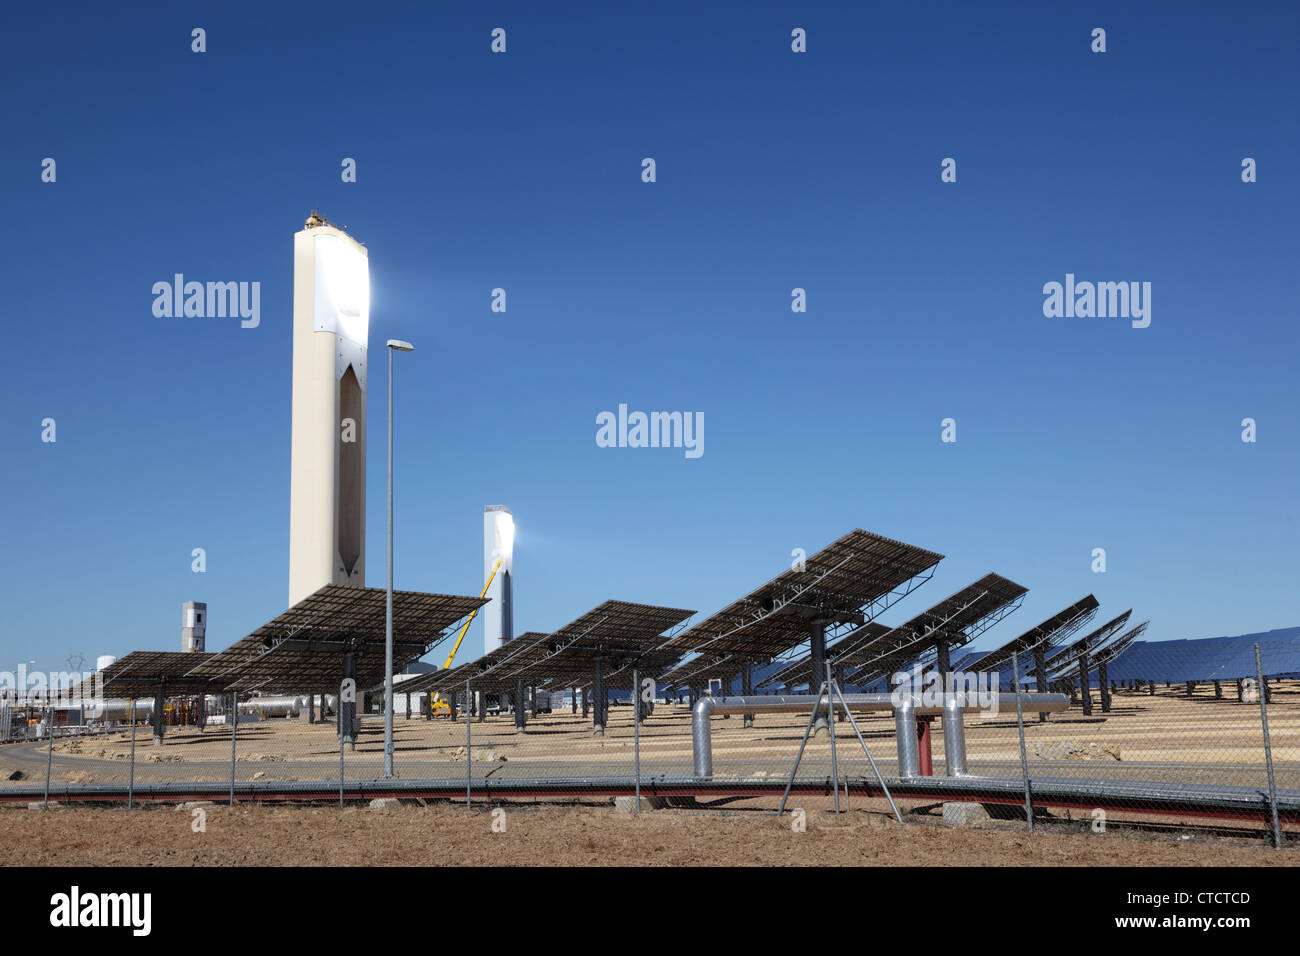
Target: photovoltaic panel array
(1214,658)
(799,671)
(482,670)
(845,584)
(1070,655)
(1057,664)
(701,670)
(1057,629)
(618,633)
(1210,658)
(894,646)
(1119,645)
(958,619)
(651,663)
(304,649)
(139,673)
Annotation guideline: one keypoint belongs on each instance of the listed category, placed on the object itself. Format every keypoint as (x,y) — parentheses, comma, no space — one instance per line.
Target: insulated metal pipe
(908,740)
(119,709)
(706,707)
(954,736)
(277,706)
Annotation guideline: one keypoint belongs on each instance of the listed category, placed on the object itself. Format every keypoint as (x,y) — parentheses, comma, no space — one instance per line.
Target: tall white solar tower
(331,322)
(498,544)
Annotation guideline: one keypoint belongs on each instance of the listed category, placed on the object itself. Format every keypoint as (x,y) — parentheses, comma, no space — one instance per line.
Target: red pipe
(924,751)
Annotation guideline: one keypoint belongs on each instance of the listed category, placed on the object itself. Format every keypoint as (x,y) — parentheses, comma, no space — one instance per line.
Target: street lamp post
(394,345)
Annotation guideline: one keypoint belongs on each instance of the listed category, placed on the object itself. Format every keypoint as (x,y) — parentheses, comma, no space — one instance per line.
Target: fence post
(469,743)
(234,724)
(49,755)
(830,713)
(636,732)
(1268,750)
(130,785)
(1020,726)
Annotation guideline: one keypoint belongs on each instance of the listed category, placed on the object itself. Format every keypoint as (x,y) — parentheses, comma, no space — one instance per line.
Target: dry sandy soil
(583,835)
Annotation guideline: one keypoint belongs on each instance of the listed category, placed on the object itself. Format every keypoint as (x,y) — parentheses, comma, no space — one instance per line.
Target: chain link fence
(1139,741)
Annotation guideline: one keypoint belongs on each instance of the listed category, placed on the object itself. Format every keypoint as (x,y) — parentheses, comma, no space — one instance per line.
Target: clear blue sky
(775,170)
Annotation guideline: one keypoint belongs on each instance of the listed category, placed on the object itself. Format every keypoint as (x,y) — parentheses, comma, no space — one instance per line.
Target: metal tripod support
(829,691)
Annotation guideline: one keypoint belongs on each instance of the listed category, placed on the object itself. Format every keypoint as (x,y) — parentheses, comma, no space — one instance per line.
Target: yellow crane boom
(436,704)
(470,620)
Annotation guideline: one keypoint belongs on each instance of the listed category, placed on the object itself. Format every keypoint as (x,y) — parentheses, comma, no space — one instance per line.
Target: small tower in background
(194,626)
(498,545)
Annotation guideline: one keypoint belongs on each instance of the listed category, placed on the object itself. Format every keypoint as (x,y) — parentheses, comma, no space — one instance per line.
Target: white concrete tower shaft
(331,323)
(498,544)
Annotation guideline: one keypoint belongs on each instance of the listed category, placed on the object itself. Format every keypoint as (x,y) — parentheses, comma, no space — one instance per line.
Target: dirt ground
(579,835)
